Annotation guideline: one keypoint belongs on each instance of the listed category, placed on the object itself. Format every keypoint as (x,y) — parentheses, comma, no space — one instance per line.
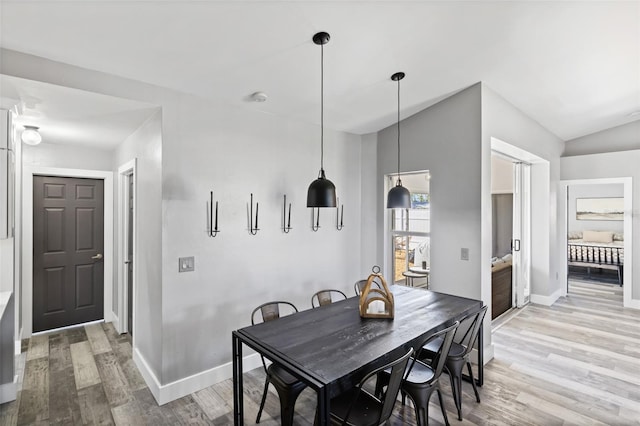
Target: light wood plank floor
(577,362)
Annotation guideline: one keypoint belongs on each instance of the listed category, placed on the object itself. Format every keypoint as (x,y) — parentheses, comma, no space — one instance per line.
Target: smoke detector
(258,97)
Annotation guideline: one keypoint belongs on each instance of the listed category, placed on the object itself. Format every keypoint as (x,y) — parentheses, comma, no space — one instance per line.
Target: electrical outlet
(186,264)
(464,253)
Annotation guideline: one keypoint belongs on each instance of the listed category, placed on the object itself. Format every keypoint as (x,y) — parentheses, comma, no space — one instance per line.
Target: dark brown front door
(68,239)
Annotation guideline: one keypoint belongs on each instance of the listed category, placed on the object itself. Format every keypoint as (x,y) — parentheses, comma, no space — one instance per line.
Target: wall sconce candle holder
(213,220)
(339,216)
(253,228)
(286,218)
(315,219)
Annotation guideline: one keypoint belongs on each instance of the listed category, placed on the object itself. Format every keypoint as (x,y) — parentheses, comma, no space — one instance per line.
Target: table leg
(324,410)
(238,408)
(480,379)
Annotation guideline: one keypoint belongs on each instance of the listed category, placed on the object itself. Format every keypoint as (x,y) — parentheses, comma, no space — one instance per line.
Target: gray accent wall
(445,140)
(621,138)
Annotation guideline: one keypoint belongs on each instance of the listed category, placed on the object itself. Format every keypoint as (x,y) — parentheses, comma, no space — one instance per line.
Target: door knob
(97,256)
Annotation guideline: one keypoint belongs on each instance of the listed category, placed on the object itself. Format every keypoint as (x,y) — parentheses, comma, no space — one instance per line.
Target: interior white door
(521,242)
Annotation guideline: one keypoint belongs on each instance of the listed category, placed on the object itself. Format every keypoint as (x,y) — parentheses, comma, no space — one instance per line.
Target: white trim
(182,387)
(27,236)
(489,353)
(539,299)
(9,391)
(126,169)
(627,277)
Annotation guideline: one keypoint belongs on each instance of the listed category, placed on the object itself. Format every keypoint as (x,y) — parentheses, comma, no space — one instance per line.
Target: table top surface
(419,270)
(334,346)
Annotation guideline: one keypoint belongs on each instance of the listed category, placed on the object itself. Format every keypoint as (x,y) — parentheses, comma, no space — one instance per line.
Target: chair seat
(456,351)
(420,373)
(366,412)
(280,377)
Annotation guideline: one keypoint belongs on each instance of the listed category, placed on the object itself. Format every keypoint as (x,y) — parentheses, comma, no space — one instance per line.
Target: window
(411,228)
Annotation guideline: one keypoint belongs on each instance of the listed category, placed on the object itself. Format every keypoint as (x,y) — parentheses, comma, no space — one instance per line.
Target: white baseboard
(9,391)
(116,322)
(486,356)
(633,304)
(546,300)
(179,388)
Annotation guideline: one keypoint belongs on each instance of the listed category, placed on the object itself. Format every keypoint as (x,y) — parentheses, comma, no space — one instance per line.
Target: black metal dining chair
(358,407)
(359,286)
(326,297)
(422,379)
(459,354)
(287,386)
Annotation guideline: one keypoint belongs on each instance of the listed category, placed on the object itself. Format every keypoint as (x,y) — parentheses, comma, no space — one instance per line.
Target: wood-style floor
(577,362)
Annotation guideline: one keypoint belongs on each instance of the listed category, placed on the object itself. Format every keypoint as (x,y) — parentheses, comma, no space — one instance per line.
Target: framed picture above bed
(599,208)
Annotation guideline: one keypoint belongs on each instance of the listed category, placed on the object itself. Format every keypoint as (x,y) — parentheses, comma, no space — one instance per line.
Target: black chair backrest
(271,310)
(359,285)
(444,338)
(474,321)
(326,297)
(398,368)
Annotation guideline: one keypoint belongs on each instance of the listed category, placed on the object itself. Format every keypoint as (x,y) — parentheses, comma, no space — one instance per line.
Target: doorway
(68,247)
(28,174)
(611,253)
(126,245)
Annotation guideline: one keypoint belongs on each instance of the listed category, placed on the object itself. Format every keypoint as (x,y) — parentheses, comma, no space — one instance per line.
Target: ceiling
(70,116)
(572,66)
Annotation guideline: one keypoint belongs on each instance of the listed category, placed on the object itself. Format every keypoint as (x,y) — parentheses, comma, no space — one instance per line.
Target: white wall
(145,145)
(611,165)
(594,191)
(503,121)
(621,138)
(370,204)
(236,154)
(67,157)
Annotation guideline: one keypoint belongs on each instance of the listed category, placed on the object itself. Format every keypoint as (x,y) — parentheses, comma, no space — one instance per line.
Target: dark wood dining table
(331,348)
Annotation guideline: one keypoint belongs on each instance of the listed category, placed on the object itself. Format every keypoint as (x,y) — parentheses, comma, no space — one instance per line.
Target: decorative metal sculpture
(376,302)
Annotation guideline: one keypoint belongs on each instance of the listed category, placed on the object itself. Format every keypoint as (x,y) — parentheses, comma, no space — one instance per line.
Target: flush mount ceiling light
(31,136)
(399,196)
(322,192)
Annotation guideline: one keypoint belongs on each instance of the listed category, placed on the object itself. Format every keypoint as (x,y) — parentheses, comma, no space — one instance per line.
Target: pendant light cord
(398,130)
(322,107)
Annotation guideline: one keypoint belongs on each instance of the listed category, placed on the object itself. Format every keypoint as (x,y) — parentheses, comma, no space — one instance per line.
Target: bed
(597,249)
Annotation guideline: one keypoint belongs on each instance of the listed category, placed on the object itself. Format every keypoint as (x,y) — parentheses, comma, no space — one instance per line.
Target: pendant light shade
(399,196)
(322,192)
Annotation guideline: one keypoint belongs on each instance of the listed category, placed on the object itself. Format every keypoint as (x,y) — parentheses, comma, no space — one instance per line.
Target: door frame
(27,237)
(627,273)
(128,168)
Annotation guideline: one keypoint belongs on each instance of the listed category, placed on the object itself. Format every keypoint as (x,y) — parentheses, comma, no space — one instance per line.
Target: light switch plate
(186,264)
(464,254)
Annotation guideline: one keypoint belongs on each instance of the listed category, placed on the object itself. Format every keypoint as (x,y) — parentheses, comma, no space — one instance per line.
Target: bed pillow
(597,236)
(574,235)
(618,236)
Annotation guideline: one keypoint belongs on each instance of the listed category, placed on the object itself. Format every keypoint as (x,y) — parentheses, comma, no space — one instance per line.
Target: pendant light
(399,196)
(322,192)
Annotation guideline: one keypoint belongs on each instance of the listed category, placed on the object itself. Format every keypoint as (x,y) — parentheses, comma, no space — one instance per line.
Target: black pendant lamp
(322,192)
(399,196)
